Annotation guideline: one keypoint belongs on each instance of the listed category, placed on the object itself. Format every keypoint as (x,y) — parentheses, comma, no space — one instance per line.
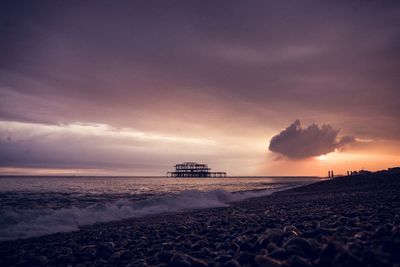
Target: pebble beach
(346,221)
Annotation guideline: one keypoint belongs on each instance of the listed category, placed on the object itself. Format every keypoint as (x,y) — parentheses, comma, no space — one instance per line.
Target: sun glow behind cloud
(101,149)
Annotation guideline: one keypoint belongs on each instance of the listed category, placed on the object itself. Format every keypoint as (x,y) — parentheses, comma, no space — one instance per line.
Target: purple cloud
(297,143)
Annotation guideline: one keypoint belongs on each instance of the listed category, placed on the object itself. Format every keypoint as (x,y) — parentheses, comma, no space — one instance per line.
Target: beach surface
(346,221)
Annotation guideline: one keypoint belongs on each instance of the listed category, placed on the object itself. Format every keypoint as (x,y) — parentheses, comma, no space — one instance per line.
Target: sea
(36,206)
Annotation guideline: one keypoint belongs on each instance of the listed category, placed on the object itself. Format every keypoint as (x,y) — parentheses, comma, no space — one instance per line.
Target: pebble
(165,256)
(265,261)
(246,257)
(279,253)
(290,230)
(179,260)
(231,263)
(300,246)
(298,261)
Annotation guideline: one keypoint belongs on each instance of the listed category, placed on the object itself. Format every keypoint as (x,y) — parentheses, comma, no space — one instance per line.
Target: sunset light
(199,133)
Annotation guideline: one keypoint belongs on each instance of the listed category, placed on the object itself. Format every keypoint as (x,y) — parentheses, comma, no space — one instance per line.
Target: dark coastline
(347,221)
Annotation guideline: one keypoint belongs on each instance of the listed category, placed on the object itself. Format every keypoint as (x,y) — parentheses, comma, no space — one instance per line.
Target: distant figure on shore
(360,172)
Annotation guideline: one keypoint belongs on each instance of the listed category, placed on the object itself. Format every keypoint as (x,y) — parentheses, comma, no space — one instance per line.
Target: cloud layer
(238,60)
(190,69)
(297,143)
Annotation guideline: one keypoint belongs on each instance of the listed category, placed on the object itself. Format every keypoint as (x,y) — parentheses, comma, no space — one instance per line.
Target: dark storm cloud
(297,142)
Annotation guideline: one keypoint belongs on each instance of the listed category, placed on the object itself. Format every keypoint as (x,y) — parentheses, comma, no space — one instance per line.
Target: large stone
(291,230)
(196,262)
(179,260)
(164,256)
(297,261)
(265,261)
(273,235)
(231,263)
(246,258)
(300,246)
(104,251)
(279,253)
(223,258)
(327,255)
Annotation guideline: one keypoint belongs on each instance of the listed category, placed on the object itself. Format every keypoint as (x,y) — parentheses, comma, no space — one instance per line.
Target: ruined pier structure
(193,169)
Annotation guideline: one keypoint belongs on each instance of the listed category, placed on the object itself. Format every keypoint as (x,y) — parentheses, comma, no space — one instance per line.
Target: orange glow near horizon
(244,154)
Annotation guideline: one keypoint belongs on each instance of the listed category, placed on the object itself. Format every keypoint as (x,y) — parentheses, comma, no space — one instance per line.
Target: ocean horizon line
(162,176)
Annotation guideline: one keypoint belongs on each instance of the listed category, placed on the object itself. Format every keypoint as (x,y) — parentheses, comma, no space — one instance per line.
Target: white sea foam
(24,223)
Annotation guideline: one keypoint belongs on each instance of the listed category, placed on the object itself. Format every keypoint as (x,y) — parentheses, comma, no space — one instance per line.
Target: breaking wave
(24,223)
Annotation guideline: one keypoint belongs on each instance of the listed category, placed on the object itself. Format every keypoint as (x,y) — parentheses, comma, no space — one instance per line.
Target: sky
(249,87)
